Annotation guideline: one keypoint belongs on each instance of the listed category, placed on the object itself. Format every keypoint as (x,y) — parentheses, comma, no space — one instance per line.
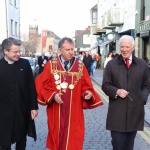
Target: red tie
(127,63)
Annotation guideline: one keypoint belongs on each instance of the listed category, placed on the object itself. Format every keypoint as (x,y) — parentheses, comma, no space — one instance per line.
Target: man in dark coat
(127,83)
(87,60)
(42,61)
(18,102)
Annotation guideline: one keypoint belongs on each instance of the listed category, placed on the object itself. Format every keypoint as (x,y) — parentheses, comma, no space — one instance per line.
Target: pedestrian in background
(127,83)
(97,58)
(18,101)
(108,58)
(54,55)
(93,64)
(65,88)
(114,54)
(87,60)
(42,60)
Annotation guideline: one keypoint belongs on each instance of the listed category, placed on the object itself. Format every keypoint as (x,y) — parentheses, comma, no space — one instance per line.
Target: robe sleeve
(86,84)
(44,86)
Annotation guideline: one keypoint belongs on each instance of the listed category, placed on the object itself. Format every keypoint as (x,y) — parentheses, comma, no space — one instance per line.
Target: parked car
(34,66)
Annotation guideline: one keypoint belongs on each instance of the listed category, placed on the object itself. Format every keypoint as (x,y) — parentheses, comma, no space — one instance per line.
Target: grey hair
(127,37)
(63,40)
(7,43)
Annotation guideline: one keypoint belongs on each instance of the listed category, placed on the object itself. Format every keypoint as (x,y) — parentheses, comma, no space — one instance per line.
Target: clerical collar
(9,62)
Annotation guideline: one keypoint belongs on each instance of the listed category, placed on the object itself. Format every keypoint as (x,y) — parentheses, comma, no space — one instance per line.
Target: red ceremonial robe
(65,121)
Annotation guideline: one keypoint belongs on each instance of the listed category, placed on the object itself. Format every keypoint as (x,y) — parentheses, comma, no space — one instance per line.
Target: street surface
(96,136)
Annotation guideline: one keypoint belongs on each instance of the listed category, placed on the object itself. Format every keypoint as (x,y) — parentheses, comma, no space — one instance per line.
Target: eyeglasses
(14,52)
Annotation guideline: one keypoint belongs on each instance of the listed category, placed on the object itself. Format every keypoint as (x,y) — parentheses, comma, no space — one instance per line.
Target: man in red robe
(65,87)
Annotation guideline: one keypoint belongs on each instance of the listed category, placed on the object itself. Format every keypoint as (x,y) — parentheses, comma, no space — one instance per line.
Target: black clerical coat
(17,99)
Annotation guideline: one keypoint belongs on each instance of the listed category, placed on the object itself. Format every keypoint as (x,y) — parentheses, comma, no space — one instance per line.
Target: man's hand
(88,94)
(34,114)
(42,65)
(122,93)
(57,98)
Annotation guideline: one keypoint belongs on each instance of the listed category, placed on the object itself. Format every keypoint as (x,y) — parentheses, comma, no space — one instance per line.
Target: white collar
(9,62)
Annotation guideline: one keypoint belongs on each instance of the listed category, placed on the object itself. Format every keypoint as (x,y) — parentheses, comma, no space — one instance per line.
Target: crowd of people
(64,86)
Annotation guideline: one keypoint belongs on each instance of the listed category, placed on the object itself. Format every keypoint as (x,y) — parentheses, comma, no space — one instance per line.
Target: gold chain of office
(63,85)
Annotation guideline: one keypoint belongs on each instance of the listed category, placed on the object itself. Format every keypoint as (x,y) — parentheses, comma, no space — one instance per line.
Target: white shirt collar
(130,59)
(9,62)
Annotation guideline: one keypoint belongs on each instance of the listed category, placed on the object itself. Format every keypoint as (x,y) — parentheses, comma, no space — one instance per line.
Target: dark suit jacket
(40,62)
(123,114)
(19,73)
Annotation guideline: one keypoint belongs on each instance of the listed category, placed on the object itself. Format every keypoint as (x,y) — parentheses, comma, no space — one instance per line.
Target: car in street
(34,66)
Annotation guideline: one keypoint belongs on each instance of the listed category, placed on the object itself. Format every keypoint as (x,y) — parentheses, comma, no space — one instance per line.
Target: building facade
(9,20)
(115,18)
(48,42)
(82,40)
(142,29)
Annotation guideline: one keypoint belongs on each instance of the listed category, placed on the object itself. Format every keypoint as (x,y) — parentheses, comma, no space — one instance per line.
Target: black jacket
(41,62)
(17,99)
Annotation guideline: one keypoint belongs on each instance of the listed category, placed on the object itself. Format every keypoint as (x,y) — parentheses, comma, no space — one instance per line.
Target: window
(16,28)
(142,10)
(12,26)
(94,18)
(11,2)
(15,3)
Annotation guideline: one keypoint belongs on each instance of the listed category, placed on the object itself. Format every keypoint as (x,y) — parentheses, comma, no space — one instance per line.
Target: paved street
(96,136)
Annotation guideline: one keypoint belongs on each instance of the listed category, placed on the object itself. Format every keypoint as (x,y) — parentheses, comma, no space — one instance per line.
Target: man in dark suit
(42,61)
(127,83)
(18,101)
(87,60)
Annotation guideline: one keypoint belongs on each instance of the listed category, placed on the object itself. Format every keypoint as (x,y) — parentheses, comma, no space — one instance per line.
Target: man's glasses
(14,52)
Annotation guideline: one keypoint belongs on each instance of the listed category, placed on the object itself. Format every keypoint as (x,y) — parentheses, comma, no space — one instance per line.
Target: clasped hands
(87,96)
(122,93)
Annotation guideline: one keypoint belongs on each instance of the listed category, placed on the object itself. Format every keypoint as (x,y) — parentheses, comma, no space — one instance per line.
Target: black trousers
(123,140)
(20,145)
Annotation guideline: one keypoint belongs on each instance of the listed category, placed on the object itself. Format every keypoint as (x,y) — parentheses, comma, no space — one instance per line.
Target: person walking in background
(114,54)
(18,101)
(97,58)
(65,88)
(108,58)
(87,60)
(126,81)
(54,55)
(42,61)
(93,64)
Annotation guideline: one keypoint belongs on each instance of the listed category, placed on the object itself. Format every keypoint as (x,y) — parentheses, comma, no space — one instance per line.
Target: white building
(10,19)
(116,17)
